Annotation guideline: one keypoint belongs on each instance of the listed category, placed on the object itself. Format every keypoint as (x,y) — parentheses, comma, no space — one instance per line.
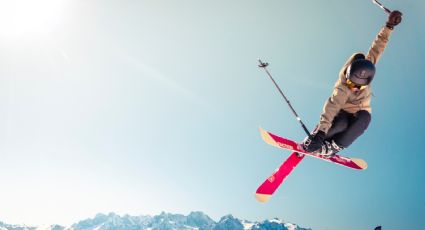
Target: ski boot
(329,149)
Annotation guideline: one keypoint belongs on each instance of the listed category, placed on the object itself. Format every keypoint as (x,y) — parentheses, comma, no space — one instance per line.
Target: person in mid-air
(347,112)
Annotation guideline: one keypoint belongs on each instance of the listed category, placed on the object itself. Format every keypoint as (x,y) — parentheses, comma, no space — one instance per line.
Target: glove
(314,141)
(394,19)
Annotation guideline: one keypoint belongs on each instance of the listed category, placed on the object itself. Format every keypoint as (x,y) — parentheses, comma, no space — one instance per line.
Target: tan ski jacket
(342,97)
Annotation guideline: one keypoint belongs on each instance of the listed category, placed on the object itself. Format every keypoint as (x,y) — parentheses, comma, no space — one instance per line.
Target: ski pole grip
(262,64)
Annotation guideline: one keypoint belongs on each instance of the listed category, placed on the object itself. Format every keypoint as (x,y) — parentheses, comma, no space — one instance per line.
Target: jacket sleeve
(378,45)
(332,107)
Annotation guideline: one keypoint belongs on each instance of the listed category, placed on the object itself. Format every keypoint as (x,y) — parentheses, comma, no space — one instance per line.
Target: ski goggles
(352,85)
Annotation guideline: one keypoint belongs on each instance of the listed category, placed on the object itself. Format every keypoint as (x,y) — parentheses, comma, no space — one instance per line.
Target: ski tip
(261,129)
(360,162)
(267,138)
(263,198)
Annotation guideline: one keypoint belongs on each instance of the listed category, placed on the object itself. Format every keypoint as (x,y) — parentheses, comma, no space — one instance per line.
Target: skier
(347,112)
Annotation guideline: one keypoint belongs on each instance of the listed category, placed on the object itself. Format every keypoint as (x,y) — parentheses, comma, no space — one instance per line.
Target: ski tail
(271,140)
(272,183)
(360,162)
(267,138)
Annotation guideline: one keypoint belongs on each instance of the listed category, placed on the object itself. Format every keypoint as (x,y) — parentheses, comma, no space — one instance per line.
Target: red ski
(272,183)
(283,143)
(269,186)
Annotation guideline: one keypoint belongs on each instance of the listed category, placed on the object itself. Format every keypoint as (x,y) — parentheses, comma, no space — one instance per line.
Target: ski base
(283,143)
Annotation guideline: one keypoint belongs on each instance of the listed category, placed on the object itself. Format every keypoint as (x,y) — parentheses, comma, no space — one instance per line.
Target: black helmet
(361,72)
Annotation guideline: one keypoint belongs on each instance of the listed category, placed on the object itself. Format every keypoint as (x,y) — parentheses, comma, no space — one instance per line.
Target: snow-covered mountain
(164,221)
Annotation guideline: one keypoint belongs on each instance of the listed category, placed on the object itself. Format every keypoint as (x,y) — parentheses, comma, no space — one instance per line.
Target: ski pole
(264,66)
(381,6)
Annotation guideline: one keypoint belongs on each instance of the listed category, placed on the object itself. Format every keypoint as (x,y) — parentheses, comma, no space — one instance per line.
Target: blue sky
(140,107)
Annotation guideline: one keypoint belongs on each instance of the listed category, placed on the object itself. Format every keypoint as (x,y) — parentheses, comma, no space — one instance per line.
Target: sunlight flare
(25,19)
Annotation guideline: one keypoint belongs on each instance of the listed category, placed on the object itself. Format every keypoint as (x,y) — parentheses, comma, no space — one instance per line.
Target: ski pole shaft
(264,66)
(381,6)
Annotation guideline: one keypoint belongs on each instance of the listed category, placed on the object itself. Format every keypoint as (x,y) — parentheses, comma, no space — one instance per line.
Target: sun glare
(22,19)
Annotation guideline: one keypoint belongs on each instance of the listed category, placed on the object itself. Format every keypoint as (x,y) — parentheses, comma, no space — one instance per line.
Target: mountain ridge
(195,220)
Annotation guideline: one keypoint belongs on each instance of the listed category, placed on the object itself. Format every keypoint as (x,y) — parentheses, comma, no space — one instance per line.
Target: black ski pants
(347,127)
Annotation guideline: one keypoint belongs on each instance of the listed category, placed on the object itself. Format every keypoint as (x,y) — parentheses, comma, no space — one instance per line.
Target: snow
(44,227)
(191,227)
(290,226)
(99,227)
(247,225)
(275,220)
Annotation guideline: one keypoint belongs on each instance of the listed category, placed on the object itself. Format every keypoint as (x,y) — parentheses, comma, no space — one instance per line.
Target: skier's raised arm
(380,42)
